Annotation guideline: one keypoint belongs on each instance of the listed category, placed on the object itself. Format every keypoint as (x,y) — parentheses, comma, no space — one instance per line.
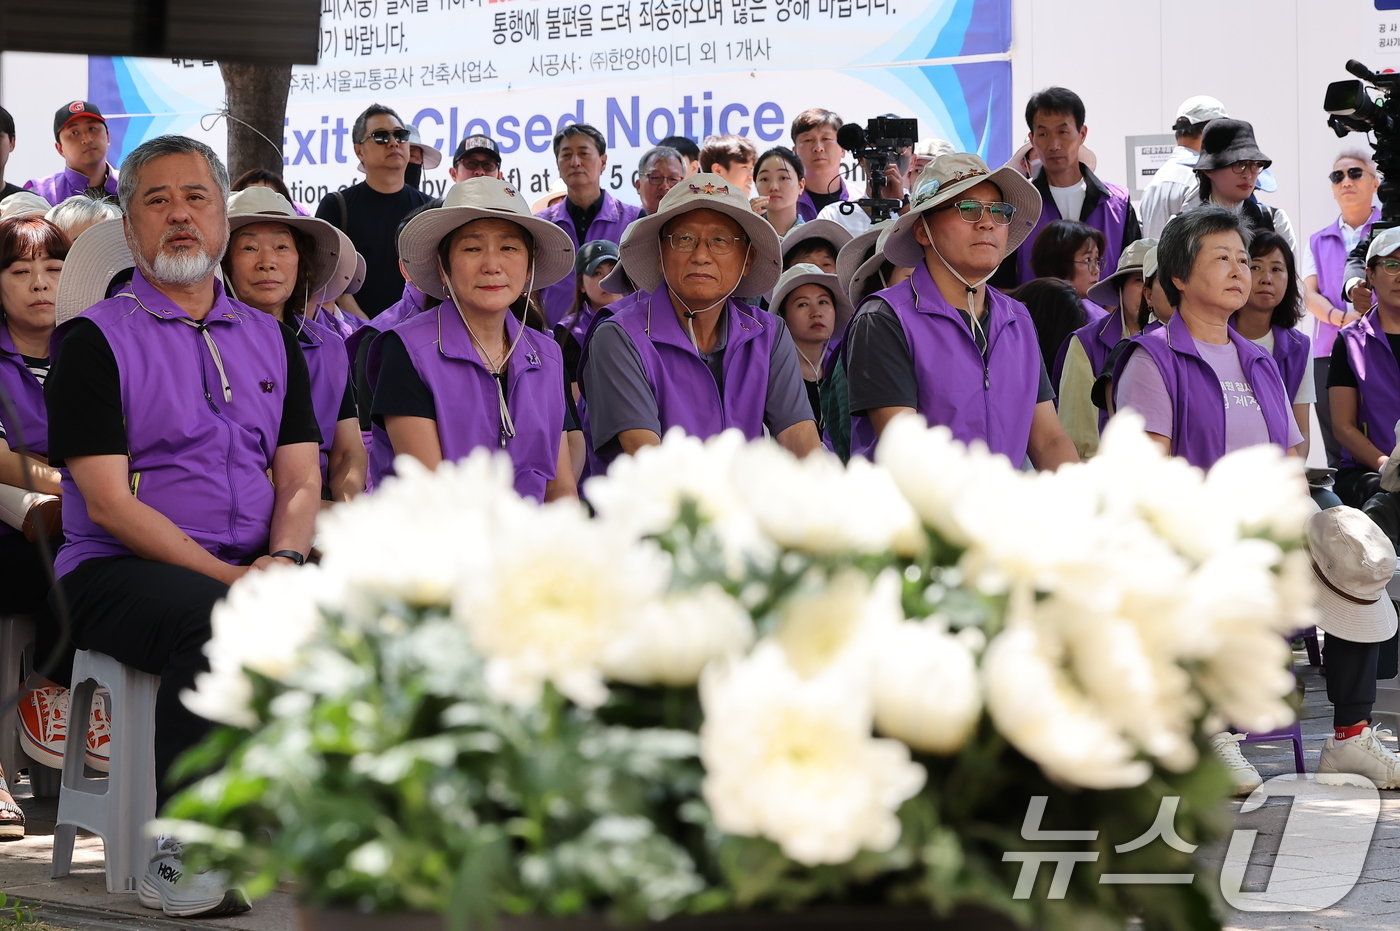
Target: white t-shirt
(1069,200)
(1307,391)
(857,221)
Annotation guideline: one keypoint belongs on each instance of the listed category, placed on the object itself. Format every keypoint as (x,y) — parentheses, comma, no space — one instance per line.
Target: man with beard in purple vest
(1068,189)
(681,352)
(944,345)
(183,424)
(587,212)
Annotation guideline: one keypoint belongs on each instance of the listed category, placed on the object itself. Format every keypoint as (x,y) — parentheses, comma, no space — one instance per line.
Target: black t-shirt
(9,189)
(371,220)
(1339,372)
(881,369)
(821,199)
(401,391)
(83,395)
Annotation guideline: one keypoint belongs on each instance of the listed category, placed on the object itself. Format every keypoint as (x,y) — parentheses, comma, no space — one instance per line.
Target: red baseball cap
(76,110)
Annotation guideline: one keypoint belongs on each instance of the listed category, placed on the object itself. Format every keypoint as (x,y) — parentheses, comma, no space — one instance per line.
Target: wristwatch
(293,555)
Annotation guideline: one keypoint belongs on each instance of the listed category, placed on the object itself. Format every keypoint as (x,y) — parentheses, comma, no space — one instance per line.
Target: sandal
(11,817)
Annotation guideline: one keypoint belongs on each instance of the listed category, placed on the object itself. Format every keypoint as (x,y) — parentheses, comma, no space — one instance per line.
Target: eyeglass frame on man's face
(716,245)
(383,136)
(1355,173)
(1001,212)
(660,180)
(1245,165)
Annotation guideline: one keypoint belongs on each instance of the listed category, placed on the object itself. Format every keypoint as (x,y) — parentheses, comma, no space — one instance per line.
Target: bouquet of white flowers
(752,682)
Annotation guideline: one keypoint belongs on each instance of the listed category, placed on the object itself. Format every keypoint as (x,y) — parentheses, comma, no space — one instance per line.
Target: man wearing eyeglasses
(1323,263)
(1069,190)
(476,157)
(587,212)
(685,352)
(370,210)
(660,169)
(944,345)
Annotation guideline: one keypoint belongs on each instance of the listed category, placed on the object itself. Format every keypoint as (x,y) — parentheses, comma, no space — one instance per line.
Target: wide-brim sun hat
(23,204)
(641,243)
(346,261)
(945,178)
(258,204)
(872,267)
(829,230)
(1149,264)
(1352,562)
(481,199)
(806,273)
(357,280)
(1106,291)
(549,197)
(855,253)
(1226,141)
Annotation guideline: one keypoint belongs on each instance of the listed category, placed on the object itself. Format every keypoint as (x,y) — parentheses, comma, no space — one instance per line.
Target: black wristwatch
(293,555)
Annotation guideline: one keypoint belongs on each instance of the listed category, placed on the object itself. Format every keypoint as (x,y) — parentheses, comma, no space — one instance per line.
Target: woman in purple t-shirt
(1203,389)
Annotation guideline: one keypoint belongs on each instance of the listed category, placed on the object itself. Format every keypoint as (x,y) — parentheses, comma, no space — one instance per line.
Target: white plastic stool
(115,807)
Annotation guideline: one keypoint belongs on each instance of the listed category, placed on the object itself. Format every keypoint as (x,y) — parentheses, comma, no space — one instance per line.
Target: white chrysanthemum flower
(553,593)
(1264,489)
(676,637)
(792,759)
(448,514)
(838,619)
(936,472)
(262,625)
(1041,712)
(818,505)
(925,686)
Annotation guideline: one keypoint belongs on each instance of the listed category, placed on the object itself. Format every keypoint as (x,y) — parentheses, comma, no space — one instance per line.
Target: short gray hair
(1358,154)
(1181,243)
(82,210)
(159,147)
(656,152)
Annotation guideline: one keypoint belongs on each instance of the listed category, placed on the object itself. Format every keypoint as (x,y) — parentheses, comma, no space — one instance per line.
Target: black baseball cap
(76,110)
(477,143)
(594,253)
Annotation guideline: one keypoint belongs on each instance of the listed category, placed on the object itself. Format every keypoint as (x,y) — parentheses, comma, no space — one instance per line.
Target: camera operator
(888,182)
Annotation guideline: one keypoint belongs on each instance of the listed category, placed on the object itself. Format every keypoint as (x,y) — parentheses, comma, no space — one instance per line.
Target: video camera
(1352,108)
(884,141)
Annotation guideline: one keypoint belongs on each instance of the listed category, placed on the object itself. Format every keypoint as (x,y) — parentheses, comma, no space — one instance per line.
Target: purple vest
(1198,405)
(1291,356)
(329,368)
(682,384)
(1330,256)
(612,219)
(57,188)
(807,209)
(195,457)
(27,396)
(1378,380)
(1098,337)
(464,393)
(991,400)
(1109,216)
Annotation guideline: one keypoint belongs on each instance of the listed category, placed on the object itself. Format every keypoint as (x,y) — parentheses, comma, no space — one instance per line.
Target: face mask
(413,174)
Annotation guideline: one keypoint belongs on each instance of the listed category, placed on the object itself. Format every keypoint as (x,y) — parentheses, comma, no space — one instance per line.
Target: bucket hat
(98,255)
(945,178)
(23,204)
(480,199)
(863,281)
(641,243)
(830,230)
(1106,291)
(258,204)
(855,253)
(1149,263)
(806,273)
(1227,141)
(1352,561)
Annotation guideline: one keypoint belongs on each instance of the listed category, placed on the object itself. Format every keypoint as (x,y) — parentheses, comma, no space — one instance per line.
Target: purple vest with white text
(1198,403)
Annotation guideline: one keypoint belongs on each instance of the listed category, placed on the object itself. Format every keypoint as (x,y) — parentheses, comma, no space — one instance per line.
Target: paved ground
(1312,867)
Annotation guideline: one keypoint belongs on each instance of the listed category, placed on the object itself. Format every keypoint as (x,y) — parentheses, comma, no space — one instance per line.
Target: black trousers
(155,617)
(1355,485)
(24,589)
(1351,678)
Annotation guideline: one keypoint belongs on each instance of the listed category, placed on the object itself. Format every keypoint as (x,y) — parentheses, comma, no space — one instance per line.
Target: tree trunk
(257,105)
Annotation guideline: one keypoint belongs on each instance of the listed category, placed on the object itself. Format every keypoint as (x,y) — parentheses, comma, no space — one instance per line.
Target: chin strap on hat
(970,288)
(691,314)
(496,369)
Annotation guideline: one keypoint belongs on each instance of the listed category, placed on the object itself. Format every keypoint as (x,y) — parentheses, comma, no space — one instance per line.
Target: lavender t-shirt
(1141,387)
